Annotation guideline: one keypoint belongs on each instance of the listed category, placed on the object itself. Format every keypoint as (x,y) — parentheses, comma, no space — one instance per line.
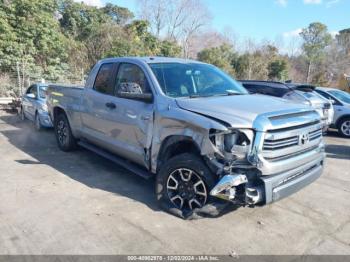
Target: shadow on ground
(88,168)
(337,151)
(81,165)
(92,170)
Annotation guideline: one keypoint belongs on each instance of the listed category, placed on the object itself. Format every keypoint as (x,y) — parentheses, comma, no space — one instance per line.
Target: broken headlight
(233,144)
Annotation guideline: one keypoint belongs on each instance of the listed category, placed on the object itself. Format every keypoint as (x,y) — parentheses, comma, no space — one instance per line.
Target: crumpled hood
(238,111)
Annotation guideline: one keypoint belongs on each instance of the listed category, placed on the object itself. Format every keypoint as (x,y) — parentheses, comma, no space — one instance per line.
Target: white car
(341,103)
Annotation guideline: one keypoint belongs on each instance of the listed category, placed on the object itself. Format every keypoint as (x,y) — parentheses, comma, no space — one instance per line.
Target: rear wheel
(22,115)
(184,183)
(64,137)
(37,123)
(344,127)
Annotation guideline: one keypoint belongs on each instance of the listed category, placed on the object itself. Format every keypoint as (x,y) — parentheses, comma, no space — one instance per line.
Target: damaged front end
(238,178)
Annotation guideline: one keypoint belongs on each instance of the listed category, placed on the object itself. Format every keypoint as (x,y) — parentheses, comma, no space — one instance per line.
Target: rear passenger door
(97,103)
(123,126)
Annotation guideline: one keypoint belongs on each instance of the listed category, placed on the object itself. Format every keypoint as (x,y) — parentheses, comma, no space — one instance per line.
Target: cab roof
(151,60)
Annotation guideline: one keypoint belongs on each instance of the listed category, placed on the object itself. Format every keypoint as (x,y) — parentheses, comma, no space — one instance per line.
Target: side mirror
(32,96)
(333,101)
(147,98)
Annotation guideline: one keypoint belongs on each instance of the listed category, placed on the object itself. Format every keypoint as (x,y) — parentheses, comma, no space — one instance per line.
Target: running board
(120,161)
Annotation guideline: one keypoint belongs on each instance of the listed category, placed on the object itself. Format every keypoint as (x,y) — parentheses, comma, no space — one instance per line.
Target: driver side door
(132,123)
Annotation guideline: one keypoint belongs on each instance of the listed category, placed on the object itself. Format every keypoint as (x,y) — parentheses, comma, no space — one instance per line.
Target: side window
(131,79)
(329,97)
(104,79)
(253,89)
(42,92)
(33,90)
(277,91)
(324,94)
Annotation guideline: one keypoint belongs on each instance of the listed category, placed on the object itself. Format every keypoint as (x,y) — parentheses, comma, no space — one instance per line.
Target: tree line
(61,39)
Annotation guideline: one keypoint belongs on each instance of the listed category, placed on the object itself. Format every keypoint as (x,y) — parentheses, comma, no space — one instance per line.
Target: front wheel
(344,127)
(183,184)
(64,137)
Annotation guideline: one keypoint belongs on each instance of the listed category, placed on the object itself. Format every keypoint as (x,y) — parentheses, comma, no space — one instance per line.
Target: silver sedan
(34,106)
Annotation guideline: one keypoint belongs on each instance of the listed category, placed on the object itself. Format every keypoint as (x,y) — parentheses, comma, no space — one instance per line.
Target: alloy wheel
(186,189)
(62,132)
(345,128)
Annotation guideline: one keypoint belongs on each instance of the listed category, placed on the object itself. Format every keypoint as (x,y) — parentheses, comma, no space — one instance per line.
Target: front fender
(178,122)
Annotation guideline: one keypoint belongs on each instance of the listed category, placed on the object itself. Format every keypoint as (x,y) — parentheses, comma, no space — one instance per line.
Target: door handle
(111,105)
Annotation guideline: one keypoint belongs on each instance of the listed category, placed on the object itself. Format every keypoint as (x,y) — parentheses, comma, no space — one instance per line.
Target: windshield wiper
(233,93)
(228,93)
(197,95)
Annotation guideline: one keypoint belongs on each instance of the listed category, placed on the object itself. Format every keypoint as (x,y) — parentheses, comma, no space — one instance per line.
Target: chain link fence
(15,79)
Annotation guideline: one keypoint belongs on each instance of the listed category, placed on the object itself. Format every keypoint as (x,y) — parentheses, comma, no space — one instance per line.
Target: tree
(343,40)
(316,38)
(221,57)
(278,70)
(176,20)
(30,35)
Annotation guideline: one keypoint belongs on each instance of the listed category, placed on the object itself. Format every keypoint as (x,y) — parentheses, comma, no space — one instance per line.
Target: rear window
(270,90)
(104,79)
(42,92)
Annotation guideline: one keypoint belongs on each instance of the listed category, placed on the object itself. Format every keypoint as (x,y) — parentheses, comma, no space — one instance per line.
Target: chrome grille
(282,143)
(315,134)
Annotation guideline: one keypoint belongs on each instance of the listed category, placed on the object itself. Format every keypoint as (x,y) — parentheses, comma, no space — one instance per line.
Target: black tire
(187,162)
(37,123)
(344,127)
(64,137)
(23,117)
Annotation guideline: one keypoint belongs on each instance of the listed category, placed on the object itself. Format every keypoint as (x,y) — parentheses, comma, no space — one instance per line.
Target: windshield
(195,80)
(341,95)
(42,92)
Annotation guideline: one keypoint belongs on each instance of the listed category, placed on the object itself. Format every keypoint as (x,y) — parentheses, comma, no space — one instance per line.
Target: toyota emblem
(304,139)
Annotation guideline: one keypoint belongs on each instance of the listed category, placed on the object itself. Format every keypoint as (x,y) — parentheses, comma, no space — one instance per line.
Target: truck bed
(68,98)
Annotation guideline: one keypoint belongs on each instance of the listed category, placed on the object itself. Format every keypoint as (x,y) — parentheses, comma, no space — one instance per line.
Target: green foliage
(57,39)
(30,34)
(278,70)
(222,57)
(316,39)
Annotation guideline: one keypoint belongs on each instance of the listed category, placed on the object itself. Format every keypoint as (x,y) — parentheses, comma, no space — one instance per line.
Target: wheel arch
(56,111)
(341,119)
(175,145)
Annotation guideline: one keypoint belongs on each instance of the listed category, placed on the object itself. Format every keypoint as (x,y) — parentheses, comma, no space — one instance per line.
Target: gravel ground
(79,203)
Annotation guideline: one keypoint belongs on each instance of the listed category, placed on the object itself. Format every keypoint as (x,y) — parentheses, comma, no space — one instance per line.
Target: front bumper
(262,189)
(282,185)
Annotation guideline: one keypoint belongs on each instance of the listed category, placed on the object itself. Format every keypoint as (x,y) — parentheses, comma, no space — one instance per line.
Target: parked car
(192,126)
(294,92)
(341,103)
(33,106)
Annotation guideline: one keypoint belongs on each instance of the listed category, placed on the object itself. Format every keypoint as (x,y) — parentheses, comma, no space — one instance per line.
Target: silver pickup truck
(194,128)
